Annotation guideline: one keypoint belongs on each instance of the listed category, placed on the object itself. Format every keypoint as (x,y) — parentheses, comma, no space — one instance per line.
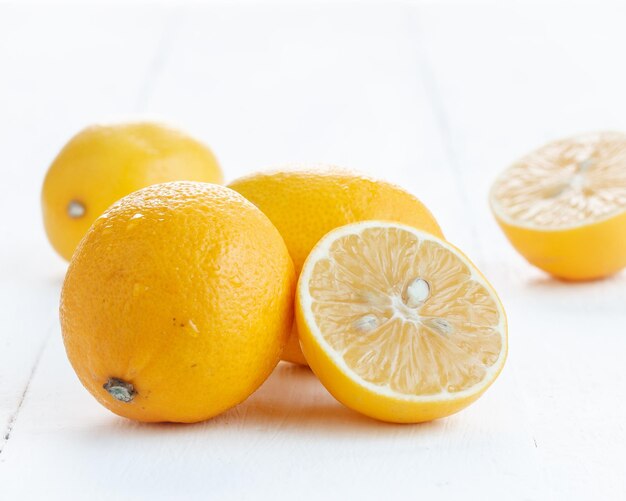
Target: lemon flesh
(398,324)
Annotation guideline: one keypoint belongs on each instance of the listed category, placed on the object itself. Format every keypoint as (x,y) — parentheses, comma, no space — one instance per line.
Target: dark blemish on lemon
(120,389)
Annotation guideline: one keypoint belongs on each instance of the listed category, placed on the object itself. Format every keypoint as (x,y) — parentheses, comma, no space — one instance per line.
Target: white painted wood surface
(438,98)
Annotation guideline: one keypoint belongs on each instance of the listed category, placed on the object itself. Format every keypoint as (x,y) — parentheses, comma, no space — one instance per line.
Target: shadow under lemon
(291,400)
(545,281)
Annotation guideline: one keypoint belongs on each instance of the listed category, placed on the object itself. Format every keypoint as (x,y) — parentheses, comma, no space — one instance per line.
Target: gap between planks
(13,419)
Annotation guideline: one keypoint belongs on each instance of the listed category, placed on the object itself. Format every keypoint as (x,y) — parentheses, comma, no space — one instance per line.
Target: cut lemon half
(563,206)
(397,323)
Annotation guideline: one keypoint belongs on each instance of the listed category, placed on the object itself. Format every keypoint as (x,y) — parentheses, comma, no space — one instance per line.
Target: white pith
(563,185)
(401,311)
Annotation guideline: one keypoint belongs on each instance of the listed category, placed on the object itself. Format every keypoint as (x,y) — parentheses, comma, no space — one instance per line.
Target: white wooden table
(438,98)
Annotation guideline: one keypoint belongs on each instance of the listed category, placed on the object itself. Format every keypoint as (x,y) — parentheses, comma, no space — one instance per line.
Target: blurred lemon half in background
(563,206)
(103,163)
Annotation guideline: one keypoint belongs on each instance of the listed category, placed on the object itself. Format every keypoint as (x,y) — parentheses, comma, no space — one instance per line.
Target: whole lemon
(306,203)
(103,163)
(177,303)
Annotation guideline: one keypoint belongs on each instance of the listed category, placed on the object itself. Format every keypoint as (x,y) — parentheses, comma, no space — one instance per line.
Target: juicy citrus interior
(565,183)
(401,312)
(405,313)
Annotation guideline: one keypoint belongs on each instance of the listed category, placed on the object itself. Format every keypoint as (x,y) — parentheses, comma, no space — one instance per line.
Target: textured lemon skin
(185,290)
(103,163)
(587,252)
(347,389)
(306,204)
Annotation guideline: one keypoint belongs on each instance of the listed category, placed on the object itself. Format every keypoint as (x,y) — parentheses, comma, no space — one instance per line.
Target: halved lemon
(563,206)
(397,323)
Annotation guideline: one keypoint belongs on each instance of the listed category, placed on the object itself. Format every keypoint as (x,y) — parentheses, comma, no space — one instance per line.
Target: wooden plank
(509,80)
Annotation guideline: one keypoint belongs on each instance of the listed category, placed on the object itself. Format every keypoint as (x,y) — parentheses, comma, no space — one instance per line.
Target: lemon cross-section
(397,323)
(563,206)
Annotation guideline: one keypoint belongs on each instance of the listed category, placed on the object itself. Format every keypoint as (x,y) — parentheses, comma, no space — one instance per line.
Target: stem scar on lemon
(76,209)
(120,390)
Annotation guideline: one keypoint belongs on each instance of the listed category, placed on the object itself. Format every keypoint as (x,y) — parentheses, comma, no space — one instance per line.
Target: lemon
(103,163)
(177,303)
(398,324)
(306,203)
(563,206)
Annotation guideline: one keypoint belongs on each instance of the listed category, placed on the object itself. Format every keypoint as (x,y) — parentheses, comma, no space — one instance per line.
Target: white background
(436,97)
